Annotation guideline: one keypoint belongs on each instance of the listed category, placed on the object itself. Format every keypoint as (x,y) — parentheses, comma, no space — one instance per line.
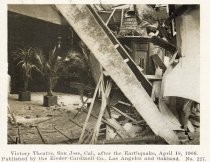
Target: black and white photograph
(101,74)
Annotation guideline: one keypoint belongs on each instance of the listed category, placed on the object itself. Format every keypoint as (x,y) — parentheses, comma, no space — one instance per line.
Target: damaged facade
(133,67)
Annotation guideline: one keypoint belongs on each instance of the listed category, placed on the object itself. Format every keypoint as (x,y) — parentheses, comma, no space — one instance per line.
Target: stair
(110,54)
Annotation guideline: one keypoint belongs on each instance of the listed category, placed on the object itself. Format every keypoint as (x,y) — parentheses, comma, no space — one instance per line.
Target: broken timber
(124,114)
(157,60)
(120,129)
(111,125)
(164,44)
(85,24)
(90,109)
(104,95)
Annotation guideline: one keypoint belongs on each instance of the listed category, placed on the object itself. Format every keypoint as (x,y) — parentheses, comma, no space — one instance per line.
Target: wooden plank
(86,136)
(122,113)
(121,19)
(63,134)
(106,122)
(86,24)
(153,77)
(79,125)
(87,140)
(164,44)
(128,48)
(90,109)
(159,62)
(20,137)
(124,103)
(40,134)
(120,129)
(81,108)
(107,22)
(105,98)
(105,14)
(164,33)
(101,113)
(156,85)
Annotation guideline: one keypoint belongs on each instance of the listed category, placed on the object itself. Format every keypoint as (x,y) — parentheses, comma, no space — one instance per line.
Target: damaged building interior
(103,74)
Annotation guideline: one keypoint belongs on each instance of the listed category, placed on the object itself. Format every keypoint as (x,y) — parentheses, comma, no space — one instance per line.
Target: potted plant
(25,58)
(48,66)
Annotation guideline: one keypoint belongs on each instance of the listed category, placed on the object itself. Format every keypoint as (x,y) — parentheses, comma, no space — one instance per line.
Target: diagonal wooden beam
(87,27)
(107,22)
(164,44)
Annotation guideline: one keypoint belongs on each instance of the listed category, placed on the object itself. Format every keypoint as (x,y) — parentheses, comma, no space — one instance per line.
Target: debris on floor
(134,80)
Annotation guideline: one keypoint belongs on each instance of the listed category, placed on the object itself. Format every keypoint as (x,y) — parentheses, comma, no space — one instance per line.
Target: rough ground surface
(31,113)
(56,128)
